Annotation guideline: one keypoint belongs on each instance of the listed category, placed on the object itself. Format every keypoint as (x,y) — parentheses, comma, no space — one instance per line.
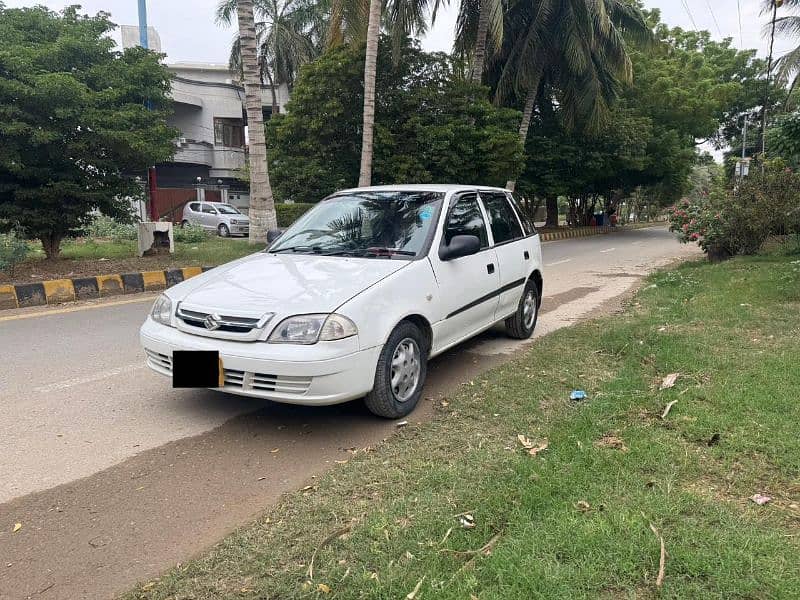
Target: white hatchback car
(355,297)
(223,218)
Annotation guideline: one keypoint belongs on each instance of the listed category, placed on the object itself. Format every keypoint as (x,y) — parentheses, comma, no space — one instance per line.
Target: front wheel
(223,230)
(521,324)
(400,374)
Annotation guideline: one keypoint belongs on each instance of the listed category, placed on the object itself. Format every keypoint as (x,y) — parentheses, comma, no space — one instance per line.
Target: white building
(209,112)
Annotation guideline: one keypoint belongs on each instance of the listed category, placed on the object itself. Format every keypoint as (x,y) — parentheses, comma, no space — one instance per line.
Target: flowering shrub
(728,221)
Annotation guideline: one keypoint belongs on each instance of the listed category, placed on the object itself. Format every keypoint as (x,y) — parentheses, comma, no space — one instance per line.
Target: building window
(229,132)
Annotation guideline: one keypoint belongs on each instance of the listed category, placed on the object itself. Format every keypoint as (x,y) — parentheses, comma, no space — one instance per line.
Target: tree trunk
(551,203)
(262,206)
(370,67)
(274,95)
(51,243)
(479,61)
(527,114)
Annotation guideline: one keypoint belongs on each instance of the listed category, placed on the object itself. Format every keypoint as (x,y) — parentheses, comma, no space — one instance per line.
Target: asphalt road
(115,476)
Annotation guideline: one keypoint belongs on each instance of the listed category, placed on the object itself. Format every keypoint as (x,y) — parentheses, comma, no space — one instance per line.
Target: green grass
(731,332)
(211,251)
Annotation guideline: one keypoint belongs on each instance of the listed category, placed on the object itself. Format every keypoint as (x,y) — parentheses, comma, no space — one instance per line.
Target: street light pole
(744,137)
(143,24)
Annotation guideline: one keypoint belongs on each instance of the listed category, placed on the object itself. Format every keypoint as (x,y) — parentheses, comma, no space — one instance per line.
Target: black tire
(386,400)
(223,230)
(184,223)
(519,325)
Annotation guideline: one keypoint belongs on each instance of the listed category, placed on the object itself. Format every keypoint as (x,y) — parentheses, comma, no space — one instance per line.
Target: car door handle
(490,268)
(526,255)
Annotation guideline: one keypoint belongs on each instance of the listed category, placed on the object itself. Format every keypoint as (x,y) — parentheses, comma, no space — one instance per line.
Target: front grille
(263,382)
(159,360)
(246,380)
(226,323)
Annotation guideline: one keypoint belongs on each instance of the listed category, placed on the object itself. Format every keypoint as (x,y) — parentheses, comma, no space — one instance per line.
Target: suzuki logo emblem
(212,322)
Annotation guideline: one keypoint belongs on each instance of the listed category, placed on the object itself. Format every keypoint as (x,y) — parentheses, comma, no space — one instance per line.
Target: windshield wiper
(314,249)
(383,251)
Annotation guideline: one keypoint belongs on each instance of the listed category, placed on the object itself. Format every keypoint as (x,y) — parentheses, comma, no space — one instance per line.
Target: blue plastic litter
(577,395)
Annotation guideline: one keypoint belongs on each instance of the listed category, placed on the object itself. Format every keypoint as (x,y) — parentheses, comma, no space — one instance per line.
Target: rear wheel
(522,323)
(184,223)
(400,374)
(223,230)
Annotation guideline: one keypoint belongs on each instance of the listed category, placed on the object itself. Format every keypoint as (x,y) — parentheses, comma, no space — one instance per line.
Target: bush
(289,213)
(189,234)
(13,250)
(729,221)
(106,227)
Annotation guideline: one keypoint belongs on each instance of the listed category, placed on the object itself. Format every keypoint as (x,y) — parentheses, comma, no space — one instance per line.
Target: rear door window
(502,218)
(466,218)
(527,224)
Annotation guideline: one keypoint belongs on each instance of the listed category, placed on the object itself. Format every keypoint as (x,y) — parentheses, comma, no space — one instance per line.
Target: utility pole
(744,137)
(151,172)
(775,5)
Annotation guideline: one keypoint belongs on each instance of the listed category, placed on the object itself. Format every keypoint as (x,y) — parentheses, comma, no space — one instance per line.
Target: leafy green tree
(575,51)
(687,89)
(77,121)
(783,139)
(430,126)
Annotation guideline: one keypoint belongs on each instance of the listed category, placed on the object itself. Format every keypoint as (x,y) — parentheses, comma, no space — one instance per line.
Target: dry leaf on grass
(413,593)
(325,589)
(17,527)
(532,447)
(611,441)
(669,381)
(583,506)
(760,499)
(467,521)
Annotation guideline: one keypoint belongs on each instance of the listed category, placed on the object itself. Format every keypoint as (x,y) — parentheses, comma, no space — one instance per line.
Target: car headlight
(162,310)
(234,221)
(310,329)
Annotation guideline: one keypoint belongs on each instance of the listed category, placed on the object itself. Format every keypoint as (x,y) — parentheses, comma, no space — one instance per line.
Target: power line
(689,12)
(713,16)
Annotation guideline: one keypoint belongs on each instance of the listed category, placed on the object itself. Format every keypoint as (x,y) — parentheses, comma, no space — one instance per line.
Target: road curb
(57,291)
(551,236)
(578,232)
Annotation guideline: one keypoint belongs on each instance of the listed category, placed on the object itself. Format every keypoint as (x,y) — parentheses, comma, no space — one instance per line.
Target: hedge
(289,213)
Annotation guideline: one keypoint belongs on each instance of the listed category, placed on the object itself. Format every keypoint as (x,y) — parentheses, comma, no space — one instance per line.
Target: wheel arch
(536,276)
(423,325)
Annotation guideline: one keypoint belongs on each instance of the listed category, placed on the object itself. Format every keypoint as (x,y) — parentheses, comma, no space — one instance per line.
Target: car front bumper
(256,368)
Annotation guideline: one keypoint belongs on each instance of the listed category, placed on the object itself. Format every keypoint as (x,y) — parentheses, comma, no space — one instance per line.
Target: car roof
(423,187)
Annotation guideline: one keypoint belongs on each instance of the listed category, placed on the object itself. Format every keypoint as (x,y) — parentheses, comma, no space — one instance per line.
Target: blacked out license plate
(197,369)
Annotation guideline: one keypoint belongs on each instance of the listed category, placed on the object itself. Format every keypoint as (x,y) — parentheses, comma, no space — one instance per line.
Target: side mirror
(460,245)
(273,234)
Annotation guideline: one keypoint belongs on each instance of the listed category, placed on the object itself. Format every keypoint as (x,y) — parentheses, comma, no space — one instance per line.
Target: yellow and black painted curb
(56,291)
(550,236)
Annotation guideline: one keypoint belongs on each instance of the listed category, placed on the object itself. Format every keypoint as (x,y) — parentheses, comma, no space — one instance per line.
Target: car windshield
(368,224)
(227,209)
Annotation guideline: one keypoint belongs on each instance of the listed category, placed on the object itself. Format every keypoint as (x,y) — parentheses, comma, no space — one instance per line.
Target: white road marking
(558,262)
(68,383)
(607,250)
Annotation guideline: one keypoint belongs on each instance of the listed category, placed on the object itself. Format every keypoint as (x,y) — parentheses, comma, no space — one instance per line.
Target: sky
(189,34)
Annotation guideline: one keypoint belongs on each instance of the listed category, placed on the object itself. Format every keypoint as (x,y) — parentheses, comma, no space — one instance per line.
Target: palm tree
(479,24)
(262,206)
(289,34)
(577,48)
(370,70)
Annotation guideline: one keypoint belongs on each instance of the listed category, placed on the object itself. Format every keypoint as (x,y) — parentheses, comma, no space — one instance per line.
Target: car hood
(283,284)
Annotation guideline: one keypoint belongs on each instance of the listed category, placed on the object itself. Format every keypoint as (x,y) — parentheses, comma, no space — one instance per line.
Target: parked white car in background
(355,297)
(223,218)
